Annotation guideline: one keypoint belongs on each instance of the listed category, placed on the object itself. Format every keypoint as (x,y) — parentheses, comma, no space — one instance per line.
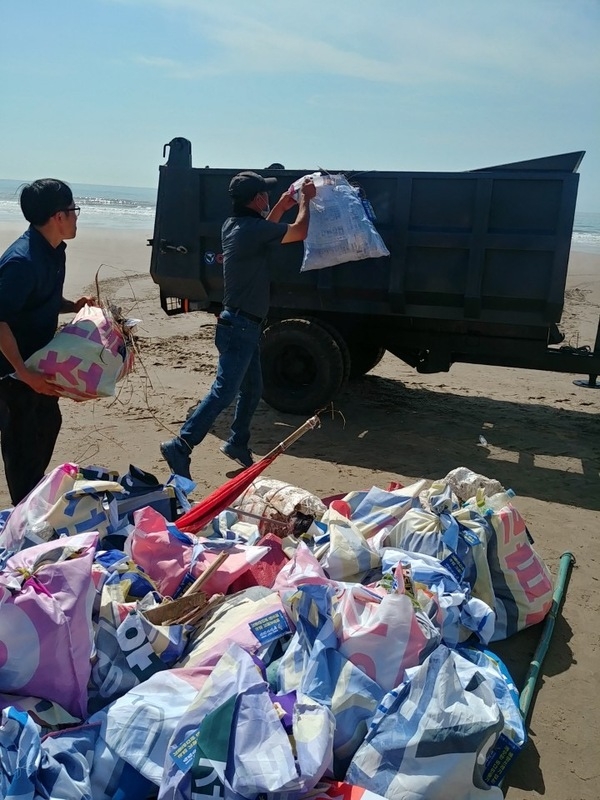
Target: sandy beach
(394,424)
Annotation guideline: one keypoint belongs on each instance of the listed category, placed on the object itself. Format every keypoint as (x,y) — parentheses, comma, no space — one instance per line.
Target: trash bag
(457,536)
(430,737)
(174,559)
(129,647)
(46,598)
(62,504)
(236,738)
(86,359)
(340,227)
(521,582)
(381,634)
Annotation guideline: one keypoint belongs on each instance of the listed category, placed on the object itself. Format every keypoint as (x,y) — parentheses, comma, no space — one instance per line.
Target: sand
(393,424)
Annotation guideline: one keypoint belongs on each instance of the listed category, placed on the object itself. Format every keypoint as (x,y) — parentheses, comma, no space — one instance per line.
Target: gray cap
(245,185)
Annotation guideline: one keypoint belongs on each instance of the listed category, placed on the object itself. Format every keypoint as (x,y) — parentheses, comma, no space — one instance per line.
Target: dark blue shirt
(32,274)
(245,239)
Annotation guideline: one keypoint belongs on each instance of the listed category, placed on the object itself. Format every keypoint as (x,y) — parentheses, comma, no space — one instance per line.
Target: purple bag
(46,640)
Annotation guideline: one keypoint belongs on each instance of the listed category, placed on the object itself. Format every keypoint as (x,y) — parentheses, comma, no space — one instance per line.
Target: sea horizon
(133,208)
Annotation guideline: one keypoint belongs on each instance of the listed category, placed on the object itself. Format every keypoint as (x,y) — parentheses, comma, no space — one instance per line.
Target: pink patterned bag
(172,559)
(87,357)
(521,581)
(46,640)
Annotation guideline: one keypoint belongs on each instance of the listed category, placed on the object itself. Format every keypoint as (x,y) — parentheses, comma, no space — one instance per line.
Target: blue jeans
(238,375)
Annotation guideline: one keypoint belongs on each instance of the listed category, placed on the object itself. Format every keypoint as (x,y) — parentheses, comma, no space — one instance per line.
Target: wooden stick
(206,574)
(241,513)
(309,425)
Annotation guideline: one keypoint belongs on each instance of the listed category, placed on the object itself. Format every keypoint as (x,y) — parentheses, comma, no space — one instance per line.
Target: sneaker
(240,455)
(177,459)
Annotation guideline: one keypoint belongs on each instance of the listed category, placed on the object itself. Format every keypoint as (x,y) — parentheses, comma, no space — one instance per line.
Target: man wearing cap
(245,236)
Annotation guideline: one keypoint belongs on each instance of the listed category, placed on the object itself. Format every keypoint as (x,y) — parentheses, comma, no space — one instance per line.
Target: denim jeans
(238,375)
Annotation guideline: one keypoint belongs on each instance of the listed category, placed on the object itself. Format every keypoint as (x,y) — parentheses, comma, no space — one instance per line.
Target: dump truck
(476,273)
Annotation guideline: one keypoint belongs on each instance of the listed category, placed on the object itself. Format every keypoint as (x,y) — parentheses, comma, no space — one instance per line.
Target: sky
(90,91)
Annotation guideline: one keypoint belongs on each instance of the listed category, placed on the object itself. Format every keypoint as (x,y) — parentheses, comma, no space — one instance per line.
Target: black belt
(239,313)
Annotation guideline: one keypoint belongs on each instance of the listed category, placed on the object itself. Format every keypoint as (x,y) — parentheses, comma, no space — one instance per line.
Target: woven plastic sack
(68,764)
(279,501)
(340,227)
(429,739)
(377,511)
(129,647)
(325,674)
(27,524)
(136,729)
(173,559)
(457,536)
(19,755)
(236,738)
(348,557)
(301,569)
(381,634)
(62,505)
(521,582)
(255,619)
(447,601)
(86,359)
(46,598)
(514,733)
(43,712)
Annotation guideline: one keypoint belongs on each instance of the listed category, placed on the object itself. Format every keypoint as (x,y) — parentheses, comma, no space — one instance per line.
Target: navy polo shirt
(245,239)
(32,274)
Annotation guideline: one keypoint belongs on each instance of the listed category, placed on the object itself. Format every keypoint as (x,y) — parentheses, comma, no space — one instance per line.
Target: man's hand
(38,382)
(287,201)
(87,300)
(298,230)
(308,189)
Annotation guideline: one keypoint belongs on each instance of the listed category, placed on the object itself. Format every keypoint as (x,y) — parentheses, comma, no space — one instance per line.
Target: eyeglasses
(74,209)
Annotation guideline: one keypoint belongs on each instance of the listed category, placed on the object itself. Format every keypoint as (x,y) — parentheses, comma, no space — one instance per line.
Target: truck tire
(341,343)
(302,364)
(364,356)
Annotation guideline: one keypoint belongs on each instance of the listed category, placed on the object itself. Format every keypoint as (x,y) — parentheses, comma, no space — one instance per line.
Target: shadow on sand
(391,427)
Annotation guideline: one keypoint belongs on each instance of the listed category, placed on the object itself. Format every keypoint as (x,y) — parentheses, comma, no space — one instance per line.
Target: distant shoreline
(10,230)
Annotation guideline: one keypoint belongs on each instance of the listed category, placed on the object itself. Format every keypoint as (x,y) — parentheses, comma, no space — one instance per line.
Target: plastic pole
(567,560)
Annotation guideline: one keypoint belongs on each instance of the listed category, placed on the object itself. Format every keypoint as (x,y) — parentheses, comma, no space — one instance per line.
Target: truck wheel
(340,341)
(302,364)
(364,356)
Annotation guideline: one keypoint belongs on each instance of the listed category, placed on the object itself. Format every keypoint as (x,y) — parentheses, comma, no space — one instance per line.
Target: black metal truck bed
(477,270)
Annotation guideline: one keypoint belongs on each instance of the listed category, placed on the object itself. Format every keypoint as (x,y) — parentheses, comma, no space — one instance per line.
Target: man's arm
(285,202)
(298,230)
(10,350)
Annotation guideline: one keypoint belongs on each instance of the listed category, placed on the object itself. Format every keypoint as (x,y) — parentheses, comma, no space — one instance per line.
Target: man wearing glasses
(32,274)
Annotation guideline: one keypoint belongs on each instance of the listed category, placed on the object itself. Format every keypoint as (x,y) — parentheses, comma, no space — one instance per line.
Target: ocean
(126,207)
(132,208)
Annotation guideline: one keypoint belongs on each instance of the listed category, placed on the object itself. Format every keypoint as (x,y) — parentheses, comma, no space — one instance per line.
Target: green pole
(567,560)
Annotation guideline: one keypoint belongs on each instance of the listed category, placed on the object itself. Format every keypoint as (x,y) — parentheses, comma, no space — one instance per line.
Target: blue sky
(91,90)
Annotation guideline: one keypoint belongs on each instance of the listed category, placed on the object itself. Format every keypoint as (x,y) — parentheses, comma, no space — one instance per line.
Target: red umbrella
(202,513)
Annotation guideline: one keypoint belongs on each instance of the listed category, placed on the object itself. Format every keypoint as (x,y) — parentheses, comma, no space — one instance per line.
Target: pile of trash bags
(297,646)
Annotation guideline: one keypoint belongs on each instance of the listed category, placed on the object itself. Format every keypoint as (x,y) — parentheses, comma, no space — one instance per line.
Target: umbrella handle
(309,425)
